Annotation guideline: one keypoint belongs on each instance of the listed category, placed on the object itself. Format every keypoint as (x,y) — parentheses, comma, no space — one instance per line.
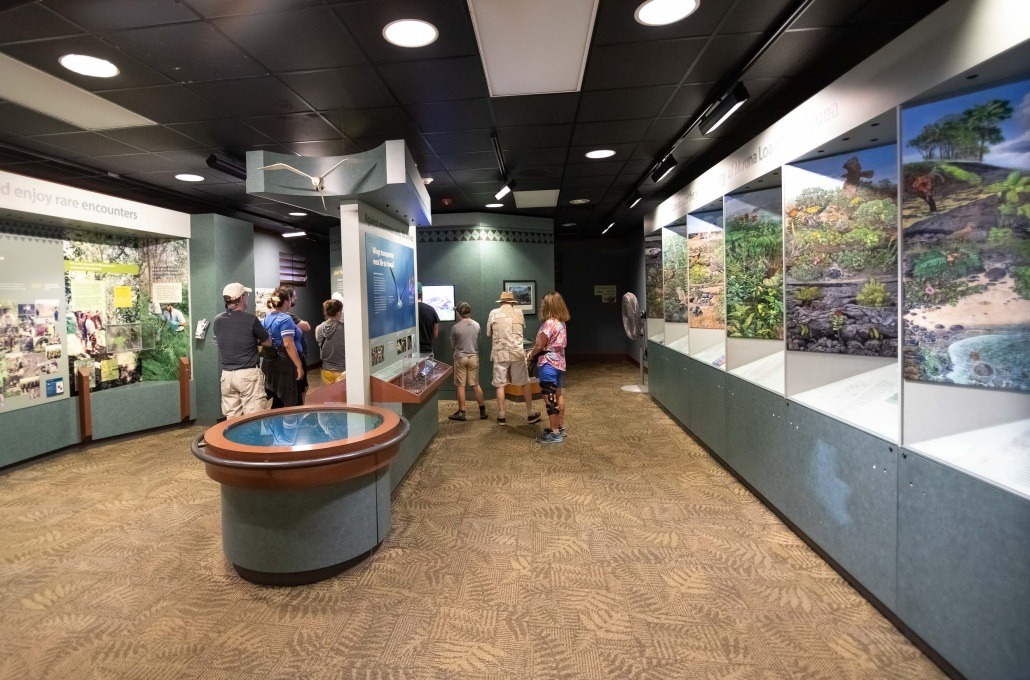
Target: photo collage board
(118,306)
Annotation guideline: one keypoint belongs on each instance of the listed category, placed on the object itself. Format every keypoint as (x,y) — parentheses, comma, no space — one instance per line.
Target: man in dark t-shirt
(428,325)
(238,334)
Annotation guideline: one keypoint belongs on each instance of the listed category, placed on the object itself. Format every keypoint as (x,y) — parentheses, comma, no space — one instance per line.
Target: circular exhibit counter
(305,490)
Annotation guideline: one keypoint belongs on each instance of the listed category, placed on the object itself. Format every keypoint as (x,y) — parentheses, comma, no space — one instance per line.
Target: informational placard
(607,292)
(88,295)
(390,276)
(32,329)
(122,297)
(166,292)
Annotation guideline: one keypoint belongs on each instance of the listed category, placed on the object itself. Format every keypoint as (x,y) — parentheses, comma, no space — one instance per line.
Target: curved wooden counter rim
(218,450)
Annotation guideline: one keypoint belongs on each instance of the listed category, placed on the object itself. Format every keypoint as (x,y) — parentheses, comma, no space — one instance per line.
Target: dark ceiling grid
(343,89)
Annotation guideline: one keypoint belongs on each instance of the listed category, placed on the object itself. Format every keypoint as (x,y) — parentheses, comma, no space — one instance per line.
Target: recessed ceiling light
(410,33)
(494,205)
(298,214)
(89,66)
(579,201)
(187,177)
(600,153)
(662,12)
(294,234)
(427,180)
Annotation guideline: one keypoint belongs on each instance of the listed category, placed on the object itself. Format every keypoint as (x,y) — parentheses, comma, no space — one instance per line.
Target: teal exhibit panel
(879,398)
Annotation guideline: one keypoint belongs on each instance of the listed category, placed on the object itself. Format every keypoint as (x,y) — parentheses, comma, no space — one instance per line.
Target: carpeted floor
(626,552)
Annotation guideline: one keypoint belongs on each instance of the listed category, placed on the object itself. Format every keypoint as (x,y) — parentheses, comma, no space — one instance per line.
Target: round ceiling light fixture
(662,12)
(298,214)
(89,66)
(494,205)
(187,177)
(600,153)
(410,33)
(579,201)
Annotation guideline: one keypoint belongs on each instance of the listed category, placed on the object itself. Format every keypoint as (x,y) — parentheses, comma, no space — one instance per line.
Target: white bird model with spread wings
(317,182)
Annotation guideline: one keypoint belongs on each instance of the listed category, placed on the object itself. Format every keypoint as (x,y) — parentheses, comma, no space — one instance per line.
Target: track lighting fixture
(634,198)
(663,168)
(505,190)
(226,165)
(732,101)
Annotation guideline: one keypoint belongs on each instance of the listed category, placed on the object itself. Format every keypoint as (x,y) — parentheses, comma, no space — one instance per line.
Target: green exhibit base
(942,554)
(424,419)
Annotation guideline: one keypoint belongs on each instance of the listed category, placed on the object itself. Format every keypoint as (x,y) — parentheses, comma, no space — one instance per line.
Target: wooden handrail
(85,412)
(184,389)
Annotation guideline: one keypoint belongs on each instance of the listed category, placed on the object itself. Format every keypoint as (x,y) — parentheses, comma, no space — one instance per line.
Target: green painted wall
(478,268)
(221,252)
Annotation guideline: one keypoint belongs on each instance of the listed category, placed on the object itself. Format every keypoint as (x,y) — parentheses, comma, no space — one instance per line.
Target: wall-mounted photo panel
(653,287)
(675,285)
(754,283)
(841,272)
(706,303)
(966,269)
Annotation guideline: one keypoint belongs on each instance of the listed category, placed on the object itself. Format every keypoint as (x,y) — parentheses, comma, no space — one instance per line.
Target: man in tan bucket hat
(506,326)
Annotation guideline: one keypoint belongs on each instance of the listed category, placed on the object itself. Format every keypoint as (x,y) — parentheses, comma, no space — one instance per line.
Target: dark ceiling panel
(352,87)
(468,161)
(890,11)
(388,123)
(33,22)
(534,136)
(664,129)
(18,120)
(540,109)
(615,22)
(690,100)
(830,13)
(44,55)
(612,132)
(221,8)
(187,52)
(660,62)
(595,168)
(87,144)
(587,182)
(639,102)
(366,21)
(222,134)
(543,173)
(153,138)
(326,147)
(413,82)
(756,16)
(325,44)
(294,127)
(250,96)
(104,15)
(515,158)
(167,104)
(460,141)
(447,116)
(798,53)
(136,162)
(725,54)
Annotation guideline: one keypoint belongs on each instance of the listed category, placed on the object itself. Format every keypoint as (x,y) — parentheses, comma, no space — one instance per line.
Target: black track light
(634,198)
(505,190)
(663,168)
(732,101)
(226,165)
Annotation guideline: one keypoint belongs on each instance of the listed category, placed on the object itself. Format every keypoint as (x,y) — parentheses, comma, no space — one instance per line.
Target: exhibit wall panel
(424,420)
(221,252)
(35,431)
(580,266)
(845,496)
(133,408)
(756,439)
(477,253)
(635,283)
(963,568)
(309,297)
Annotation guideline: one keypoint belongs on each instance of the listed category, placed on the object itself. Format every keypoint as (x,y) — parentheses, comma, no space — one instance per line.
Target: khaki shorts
(466,370)
(510,372)
(243,392)
(330,377)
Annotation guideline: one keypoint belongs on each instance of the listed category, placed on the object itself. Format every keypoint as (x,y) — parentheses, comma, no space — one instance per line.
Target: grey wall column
(221,252)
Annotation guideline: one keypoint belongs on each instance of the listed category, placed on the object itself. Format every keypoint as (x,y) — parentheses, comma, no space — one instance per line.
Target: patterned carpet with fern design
(625,552)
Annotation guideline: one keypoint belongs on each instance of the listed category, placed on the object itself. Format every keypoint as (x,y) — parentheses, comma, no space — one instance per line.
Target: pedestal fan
(634,323)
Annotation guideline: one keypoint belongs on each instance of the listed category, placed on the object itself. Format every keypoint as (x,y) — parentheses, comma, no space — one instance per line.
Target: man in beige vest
(506,326)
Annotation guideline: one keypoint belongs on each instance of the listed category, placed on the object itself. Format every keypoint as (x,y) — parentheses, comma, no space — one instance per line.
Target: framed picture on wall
(525,295)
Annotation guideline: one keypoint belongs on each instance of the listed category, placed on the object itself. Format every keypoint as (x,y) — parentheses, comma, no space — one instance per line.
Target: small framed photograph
(525,295)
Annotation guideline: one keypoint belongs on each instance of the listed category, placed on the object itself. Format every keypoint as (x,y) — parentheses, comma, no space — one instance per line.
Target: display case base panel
(998,455)
(869,401)
(767,372)
(299,534)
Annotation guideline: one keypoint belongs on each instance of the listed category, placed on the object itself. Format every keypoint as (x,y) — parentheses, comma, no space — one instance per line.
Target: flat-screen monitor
(440,298)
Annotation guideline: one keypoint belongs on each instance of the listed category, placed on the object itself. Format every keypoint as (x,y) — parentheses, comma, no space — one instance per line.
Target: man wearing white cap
(238,334)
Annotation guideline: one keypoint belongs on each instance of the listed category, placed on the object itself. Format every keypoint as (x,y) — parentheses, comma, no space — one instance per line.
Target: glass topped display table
(305,490)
